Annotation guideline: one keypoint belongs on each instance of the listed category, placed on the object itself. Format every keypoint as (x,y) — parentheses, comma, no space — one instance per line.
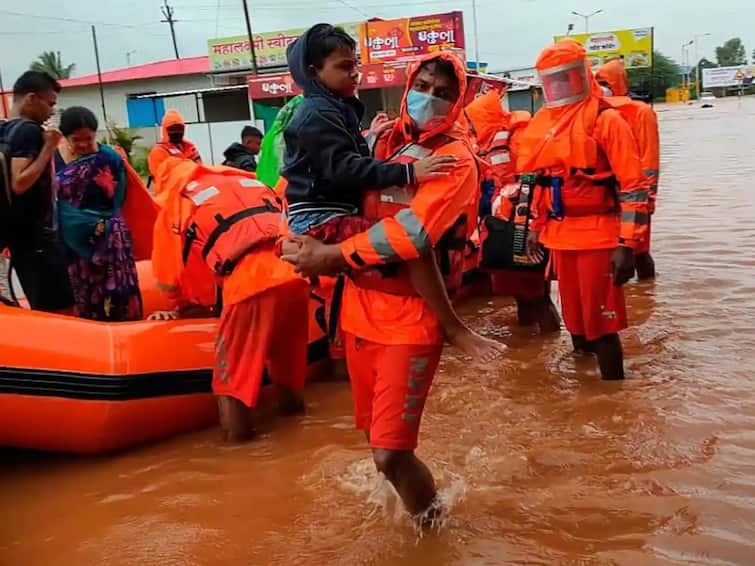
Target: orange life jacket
(225,225)
(383,203)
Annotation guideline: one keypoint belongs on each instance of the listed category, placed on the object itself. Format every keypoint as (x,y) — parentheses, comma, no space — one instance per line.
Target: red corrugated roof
(171,68)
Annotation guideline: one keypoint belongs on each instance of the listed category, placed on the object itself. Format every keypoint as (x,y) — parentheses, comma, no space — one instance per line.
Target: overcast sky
(511,32)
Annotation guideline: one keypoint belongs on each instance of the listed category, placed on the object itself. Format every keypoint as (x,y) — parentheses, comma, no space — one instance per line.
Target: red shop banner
(272,86)
(404,39)
(479,85)
(377,75)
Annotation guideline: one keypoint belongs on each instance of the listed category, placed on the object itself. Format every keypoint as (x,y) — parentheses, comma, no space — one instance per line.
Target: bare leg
(411,478)
(340,371)
(645,266)
(582,345)
(236,419)
(428,282)
(547,316)
(525,311)
(290,402)
(610,356)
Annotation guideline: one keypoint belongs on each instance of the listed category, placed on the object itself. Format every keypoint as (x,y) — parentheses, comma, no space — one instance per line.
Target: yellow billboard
(234,53)
(635,46)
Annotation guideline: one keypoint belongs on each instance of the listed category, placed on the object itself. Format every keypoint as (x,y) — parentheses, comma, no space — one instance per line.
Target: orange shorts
(644,246)
(389,386)
(592,306)
(265,330)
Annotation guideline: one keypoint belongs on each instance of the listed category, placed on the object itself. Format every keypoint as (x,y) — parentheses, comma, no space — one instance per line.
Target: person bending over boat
(221,222)
(393,338)
(91,190)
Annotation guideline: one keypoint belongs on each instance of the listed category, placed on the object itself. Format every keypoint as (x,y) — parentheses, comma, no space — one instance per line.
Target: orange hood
(555,137)
(614,75)
(453,126)
(487,117)
(171,118)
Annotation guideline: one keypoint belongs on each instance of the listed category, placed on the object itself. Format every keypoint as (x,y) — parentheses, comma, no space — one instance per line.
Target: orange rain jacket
(498,134)
(588,145)
(194,282)
(436,207)
(642,119)
(164,149)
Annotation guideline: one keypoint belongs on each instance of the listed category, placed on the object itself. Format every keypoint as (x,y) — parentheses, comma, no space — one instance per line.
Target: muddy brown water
(539,461)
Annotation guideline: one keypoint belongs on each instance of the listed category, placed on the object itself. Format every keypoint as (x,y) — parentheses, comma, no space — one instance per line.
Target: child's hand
(380,124)
(434,166)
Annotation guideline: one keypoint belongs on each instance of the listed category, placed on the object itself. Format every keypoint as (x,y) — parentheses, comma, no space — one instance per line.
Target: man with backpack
(591,203)
(27,199)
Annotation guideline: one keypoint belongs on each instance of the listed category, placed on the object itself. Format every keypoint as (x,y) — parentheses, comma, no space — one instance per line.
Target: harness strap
(224,224)
(191,235)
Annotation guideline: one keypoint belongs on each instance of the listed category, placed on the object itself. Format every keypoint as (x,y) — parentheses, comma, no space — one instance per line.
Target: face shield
(565,84)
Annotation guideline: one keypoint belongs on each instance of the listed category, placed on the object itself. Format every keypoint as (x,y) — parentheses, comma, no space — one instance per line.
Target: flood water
(539,460)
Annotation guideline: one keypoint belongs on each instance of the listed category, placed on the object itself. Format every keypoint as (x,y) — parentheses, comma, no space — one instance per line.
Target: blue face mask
(425,110)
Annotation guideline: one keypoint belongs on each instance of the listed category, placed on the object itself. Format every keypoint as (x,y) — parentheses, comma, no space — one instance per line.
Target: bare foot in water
(478,347)
(290,403)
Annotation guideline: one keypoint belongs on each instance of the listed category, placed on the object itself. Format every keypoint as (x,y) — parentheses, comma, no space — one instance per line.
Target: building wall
(117,93)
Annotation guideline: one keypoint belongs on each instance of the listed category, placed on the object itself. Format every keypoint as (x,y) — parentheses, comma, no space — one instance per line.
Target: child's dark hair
(323,40)
(75,118)
(35,82)
(443,67)
(250,132)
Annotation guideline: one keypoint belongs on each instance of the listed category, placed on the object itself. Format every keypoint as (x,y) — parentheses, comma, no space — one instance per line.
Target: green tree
(123,137)
(666,73)
(50,63)
(731,53)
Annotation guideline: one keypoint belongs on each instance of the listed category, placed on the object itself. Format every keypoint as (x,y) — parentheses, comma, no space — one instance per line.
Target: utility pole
(99,82)
(168,15)
(128,57)
(251,38)
(476,44)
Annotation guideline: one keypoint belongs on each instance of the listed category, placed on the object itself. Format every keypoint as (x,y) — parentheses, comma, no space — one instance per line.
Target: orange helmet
(565,74)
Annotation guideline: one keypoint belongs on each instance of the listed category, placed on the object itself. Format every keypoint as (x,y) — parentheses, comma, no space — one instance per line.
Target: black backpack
(6,192)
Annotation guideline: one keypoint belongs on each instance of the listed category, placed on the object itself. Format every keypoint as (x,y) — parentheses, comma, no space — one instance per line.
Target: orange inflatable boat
(79,386)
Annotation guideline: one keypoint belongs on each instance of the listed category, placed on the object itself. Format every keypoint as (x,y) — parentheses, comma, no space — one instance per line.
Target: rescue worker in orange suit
(497,133)
(393,338)
(221,222)
(172,144)
(591,204)
(612,78)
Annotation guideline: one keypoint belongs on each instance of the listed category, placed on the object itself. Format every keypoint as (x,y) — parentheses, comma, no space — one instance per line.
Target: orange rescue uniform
(394,342)
(592,195)
(644,123)
(164,149)
(498,134)
(261,295)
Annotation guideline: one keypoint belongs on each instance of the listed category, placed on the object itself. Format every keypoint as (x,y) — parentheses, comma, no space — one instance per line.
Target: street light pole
(476,45)
(697,63)
(685,63)
(587,18)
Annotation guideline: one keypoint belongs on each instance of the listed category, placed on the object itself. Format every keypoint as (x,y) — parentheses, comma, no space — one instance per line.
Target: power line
(168,15)
(63,19)
(351,7)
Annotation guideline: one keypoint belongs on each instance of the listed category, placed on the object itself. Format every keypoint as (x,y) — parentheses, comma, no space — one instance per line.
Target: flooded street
(539,460)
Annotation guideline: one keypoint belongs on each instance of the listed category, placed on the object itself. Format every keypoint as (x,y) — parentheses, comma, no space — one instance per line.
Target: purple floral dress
(102,268)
